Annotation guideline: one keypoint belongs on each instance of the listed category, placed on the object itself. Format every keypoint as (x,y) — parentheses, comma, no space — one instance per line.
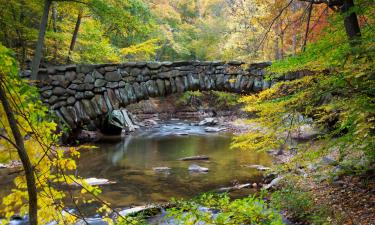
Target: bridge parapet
(83,94)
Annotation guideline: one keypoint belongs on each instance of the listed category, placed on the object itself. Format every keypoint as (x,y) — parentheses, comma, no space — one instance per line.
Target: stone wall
(83,94)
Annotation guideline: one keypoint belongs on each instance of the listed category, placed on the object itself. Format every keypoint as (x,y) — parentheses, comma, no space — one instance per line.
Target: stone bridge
(84,94)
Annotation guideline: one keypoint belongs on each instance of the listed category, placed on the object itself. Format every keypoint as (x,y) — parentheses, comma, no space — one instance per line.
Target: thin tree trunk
(351,22)
(54,27)
(39,45)
(27,166)
(307,27)
(75,35)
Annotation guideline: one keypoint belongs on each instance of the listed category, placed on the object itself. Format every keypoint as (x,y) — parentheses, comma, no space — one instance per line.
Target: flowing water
(129,161)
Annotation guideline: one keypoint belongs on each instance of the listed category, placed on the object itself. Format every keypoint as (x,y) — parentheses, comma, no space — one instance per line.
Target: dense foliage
(97,31)
(220,209)
(336,98)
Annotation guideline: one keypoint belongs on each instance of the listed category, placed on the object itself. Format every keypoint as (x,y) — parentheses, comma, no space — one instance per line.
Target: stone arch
(83,94)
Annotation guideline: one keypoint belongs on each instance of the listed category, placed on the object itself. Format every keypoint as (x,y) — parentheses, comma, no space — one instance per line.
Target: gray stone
(99,90)
(73,86)
(123,96)
(196,168)
(130,93)
(99,99)
(138,91)
(258,84)
(97,75)
(135,72)
(110,68)
(154,65)
(179,84)
(71,100)
(68,117)
(112,76)
(152,89)
(81,87)
(59,91)
(53,99)
(168,87)
(140,64)
(113,99)
(89,94)
(77,81)
(89,110)
(235,63)
(58,105)
(73,112)
(89,79)
(100,83)
(210,121)
(112,85)
(79,95)
(84,68)
(89,87)
(121,84)
(144,90)
(220,81)
(166,63)
(45,88)
(70,91)
(81,112)
(161,87)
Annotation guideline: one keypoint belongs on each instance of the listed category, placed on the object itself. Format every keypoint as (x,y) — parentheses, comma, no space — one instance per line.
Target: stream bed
(129,161)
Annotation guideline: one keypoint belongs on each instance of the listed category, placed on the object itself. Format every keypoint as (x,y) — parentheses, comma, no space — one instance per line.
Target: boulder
(210,121)
(197,168)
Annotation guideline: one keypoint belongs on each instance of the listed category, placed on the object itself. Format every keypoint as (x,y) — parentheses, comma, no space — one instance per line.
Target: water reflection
(129,162)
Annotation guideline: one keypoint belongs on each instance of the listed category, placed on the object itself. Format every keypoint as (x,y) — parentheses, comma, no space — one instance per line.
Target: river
(129,161)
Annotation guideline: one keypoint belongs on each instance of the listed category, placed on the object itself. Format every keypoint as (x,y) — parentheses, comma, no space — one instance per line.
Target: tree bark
(351,24)
(39,45)
(27,166)
(307,27)
(75,35)
(54,27)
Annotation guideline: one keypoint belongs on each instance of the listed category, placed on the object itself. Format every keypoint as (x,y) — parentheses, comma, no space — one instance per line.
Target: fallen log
(192,158)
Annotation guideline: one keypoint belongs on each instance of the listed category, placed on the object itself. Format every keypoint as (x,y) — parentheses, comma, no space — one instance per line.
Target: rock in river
(210,121)
(196,168)
(161,169)
(213,129)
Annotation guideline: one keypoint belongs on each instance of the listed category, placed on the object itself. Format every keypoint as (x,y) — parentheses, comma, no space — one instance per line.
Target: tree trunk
(27,166)
(75,34)
(351,22)
(54,27)
(39,45)
(307,27)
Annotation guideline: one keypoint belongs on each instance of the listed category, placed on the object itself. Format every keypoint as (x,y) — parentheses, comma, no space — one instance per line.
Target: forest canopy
(98,31)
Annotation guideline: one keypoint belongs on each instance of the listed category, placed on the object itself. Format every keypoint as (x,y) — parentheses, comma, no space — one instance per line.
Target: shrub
(220,209)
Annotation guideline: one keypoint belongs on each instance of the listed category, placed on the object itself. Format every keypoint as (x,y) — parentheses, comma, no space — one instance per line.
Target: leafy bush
(220,209)
(300,206)
(191,98)
(338,95)
(225,99)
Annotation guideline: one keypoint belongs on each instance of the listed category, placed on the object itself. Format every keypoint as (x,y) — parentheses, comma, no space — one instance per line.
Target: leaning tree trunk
(307,27)
(351,22)
(75,35)
(39,45)
(27,166)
